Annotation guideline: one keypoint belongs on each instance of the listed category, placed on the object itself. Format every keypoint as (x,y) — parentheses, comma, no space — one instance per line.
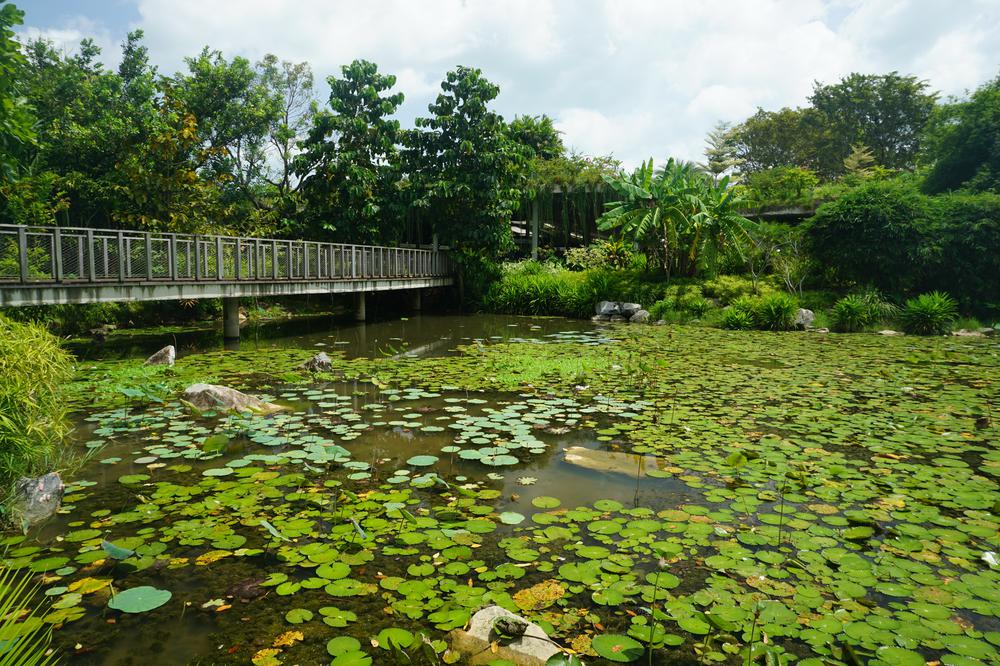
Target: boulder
(531,649)
(617,318)
(609,461)
(629,309)
(600,318)
(660,322)
(37,499)
(804,319)
(967,333)
(889,332)
(639,317)
(988,331)
(608,308)
(319,363)
(165,356)
(819,330)
(209,396)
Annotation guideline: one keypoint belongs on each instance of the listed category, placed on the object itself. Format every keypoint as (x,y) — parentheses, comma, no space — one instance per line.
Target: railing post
(219,263)
(239,259)
(305,260)
(172,257)
(197,258)
(57,268)
(91,264)
(22,252)
(148,238)
(274,259)
(290,260)
(121,256)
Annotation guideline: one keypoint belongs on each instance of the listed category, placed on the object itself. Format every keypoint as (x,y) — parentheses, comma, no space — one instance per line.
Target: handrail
(42,255)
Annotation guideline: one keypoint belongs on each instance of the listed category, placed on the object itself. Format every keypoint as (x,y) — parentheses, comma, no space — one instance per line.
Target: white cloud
(67,36)
(630,77)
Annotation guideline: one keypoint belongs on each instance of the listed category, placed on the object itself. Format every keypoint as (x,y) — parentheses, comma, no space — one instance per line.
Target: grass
(33,370)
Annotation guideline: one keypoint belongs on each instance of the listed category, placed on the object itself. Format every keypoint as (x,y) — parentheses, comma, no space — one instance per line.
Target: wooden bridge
(53,265)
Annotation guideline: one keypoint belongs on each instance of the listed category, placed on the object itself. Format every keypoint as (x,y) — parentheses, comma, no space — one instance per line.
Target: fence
(61,255)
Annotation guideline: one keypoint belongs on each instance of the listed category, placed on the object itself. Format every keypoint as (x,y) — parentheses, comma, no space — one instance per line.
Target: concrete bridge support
(359,307)
(416,300)
(231,318)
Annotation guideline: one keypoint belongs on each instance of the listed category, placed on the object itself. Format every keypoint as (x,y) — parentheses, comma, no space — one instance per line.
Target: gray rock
(165,356)
(609,461)
(639,317)
(629,309)
(617,319)
(600,318)
(608,308)
(967,333)
(889,332)
(819,330)
(660,322)
(988,331)
(37,499)
(319,363)
(533,648)
(210,396)
(804,319)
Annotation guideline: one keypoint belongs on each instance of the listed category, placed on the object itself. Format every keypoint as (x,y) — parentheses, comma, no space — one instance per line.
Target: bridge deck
(50,265)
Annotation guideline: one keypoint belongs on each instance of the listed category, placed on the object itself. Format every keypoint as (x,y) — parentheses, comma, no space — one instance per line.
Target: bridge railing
(61,255)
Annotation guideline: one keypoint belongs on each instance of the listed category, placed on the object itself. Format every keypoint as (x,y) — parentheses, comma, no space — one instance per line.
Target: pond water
(805,498)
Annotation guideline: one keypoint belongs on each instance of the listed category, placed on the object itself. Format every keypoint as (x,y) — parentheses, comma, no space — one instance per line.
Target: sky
(632,78)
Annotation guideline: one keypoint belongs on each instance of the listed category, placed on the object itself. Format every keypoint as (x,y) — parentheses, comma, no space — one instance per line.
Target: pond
(812,499)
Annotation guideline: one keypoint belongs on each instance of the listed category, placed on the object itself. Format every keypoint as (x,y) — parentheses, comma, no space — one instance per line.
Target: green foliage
(773,312)
(16,118)
(24,637)
(785,138)
(33,370)
(612,253)
(963,145)
(739,316)
(857,312)
(538,135)
(727,288)
(783,185)
(929,314)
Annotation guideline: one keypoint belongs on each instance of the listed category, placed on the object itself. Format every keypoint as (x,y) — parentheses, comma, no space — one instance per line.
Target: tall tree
(539,135)
(463,166)
(16,119)
(769,139)
(887,113)
(721,151)
(963,143)
(292,84)
(348,158)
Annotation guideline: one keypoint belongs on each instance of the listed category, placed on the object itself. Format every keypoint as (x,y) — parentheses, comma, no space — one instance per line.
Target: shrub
(850,314)
(739,315)
(33,369)
(775,312)
(583,258)
(728,288)
(929,314)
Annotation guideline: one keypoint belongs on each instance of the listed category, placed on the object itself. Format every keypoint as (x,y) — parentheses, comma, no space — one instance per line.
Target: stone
(209,396)
(819,330)
(804,319)
(988,331)
(610,461)
(889,332)
(600,318)
(639,317)
(319,363)
(37,499)
(967,333)
(660,322)
(608,308)
(532,648)
(629,309)
(617,319)
(165,356)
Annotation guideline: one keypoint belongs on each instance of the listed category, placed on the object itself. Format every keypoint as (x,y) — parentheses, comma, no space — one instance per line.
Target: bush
(739,316)
(850,314)
(929,314)
(728,288)
(33,370)
(774,312)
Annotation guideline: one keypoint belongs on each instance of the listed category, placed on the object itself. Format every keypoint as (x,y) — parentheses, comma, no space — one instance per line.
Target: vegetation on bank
(34,370)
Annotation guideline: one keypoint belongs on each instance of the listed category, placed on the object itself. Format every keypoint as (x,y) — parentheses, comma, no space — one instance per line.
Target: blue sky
(636,78)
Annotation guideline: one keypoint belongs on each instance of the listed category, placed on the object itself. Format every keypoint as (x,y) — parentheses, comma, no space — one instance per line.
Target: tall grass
(24,637)
(33,369)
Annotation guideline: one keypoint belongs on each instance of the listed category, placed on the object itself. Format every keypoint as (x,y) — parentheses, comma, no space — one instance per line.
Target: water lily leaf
(139,599)
(617,648)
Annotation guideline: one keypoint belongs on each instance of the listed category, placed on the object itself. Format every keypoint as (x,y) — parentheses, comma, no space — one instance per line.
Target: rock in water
(165,356)
(804,319)
(629,309)
(319,363)
(889,332)
(610,461)
(617,319)
(639,317)
(208,396)
(600,318)
(37,499)
(608,308)
(532,648)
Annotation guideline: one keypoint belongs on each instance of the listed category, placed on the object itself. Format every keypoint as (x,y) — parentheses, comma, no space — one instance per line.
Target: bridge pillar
(359,306)
(416,300)
(231,318)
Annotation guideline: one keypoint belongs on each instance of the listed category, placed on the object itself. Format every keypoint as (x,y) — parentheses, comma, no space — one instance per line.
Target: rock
(967,333)
(819,330)
(889,332)
(165,356)
(629,309)
(988,331)
(804,319)
(617,318)
(319,363)
(600,318)
(639,317)
(533,648)
(208,396)
(608,308)
(37,499)
(660,322)
(609,461)
(101,333)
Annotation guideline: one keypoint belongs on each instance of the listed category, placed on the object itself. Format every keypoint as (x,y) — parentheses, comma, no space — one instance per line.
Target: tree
(16,118)
(721,151)
(538,135)
(292,84)
(963,143)
(859,161)
(348,159)
(464,169)
(769,139)
(887,113)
